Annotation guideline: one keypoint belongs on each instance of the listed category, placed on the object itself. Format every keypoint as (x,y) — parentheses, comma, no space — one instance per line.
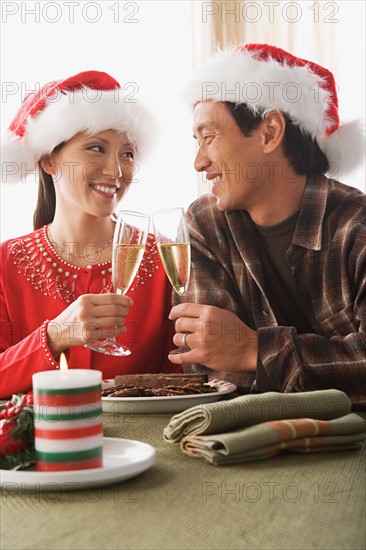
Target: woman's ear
(273,131)
(48,165)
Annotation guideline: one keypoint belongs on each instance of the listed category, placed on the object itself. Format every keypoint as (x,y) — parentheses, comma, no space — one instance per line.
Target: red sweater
(36,285)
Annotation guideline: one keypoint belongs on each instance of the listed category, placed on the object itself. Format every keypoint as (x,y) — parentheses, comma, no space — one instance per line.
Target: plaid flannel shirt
(328,263)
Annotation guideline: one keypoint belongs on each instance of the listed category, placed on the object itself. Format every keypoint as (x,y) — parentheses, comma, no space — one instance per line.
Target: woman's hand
(218,338)
(90,317)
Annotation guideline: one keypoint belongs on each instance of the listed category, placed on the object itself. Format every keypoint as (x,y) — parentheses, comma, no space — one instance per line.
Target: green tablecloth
(286,502)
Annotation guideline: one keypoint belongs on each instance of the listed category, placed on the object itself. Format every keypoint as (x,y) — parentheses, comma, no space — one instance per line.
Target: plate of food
(122,460)
(161,393)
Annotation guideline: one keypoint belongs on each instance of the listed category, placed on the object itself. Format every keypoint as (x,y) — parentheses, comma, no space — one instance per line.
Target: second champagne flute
(129,242)
(172,238)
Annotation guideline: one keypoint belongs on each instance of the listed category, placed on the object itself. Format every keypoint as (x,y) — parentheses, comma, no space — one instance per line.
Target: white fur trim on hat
(68,114)
(263,85)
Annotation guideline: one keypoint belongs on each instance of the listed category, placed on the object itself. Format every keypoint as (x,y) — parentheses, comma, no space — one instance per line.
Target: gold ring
(184,340)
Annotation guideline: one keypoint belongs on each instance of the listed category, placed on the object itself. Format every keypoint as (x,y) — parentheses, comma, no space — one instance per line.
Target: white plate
(163,404)
(122,459)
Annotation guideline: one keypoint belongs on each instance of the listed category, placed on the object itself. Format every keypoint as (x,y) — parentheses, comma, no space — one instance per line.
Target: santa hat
(90,101)
(265,78)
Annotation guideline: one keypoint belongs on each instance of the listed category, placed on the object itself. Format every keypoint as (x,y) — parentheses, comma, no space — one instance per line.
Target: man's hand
(218,338)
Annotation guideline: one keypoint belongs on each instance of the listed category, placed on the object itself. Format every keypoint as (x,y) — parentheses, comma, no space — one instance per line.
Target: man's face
(233,162)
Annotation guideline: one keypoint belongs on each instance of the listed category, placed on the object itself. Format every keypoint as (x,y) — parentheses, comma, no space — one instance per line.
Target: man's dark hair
(302,151)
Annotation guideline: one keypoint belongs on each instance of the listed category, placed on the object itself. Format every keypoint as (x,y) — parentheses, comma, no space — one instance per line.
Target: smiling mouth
(214,182)
(106,190)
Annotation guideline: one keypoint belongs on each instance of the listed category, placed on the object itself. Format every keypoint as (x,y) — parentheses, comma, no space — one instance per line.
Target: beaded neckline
(53,252)
(51,275)
(56,246)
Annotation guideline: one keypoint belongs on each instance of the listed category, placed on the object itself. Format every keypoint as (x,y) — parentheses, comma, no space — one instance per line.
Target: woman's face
(92,173)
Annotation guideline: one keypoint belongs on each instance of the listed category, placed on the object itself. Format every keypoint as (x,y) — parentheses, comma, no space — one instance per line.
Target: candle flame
(63,362)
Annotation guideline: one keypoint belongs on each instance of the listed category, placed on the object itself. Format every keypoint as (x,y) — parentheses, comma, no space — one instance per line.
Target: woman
(56,293)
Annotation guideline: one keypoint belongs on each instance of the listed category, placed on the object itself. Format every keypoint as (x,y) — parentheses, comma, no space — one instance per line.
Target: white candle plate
(122,460)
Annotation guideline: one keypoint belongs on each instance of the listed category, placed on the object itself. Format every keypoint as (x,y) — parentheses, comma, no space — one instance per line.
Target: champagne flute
(129,242)
(172,238)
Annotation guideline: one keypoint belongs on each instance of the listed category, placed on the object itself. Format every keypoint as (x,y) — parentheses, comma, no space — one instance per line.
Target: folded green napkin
(248,410)
(267,439)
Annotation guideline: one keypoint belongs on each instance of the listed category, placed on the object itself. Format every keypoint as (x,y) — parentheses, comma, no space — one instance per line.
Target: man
(277,297)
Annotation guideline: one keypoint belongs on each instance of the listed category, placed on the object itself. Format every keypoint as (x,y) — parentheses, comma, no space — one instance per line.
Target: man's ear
(273,131)
(48,166)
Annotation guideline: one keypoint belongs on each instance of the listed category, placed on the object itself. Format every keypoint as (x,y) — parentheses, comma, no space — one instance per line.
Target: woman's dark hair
(46,199)
(301,150)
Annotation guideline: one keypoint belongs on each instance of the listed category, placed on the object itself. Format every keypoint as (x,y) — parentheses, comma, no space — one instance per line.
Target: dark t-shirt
(274,241)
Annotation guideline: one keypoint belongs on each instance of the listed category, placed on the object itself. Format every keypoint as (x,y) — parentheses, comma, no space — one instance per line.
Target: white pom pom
(16,161)
(344,148)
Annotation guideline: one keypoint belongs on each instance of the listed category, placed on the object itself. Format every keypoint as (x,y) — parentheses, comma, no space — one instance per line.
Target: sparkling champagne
(126,263)
(176,258)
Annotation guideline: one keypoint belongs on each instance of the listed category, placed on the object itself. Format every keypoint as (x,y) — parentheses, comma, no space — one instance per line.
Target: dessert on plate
(158,385)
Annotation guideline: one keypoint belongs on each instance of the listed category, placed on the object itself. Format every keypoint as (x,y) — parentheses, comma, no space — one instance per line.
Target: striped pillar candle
(68,419)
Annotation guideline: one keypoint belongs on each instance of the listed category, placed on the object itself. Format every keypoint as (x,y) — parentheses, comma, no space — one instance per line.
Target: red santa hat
(90,101)
(266,77)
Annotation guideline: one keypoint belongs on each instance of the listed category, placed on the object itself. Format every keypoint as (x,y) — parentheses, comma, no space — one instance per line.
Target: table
(286,502)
